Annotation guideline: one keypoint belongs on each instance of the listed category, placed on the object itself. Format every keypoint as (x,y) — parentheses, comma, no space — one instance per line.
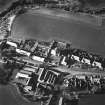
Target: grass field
(37,26)
(82,35)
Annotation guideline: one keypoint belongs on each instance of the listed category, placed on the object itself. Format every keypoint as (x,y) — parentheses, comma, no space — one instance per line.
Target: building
(23,76)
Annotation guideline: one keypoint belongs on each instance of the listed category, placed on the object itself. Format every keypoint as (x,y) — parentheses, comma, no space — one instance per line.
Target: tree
(75,5)
(3,74)
(94,2)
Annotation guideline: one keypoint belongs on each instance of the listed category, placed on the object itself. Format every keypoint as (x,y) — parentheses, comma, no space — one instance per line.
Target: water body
(81,34)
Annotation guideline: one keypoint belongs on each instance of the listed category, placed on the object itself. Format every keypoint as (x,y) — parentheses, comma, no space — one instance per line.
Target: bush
(75,5)
(5,74)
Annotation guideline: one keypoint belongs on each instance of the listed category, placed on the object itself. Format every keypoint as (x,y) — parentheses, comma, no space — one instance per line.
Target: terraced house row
(53,52)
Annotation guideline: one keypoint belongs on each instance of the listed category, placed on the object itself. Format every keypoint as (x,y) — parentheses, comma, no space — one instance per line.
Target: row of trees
(73,5)
(94,2)
(5,73)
